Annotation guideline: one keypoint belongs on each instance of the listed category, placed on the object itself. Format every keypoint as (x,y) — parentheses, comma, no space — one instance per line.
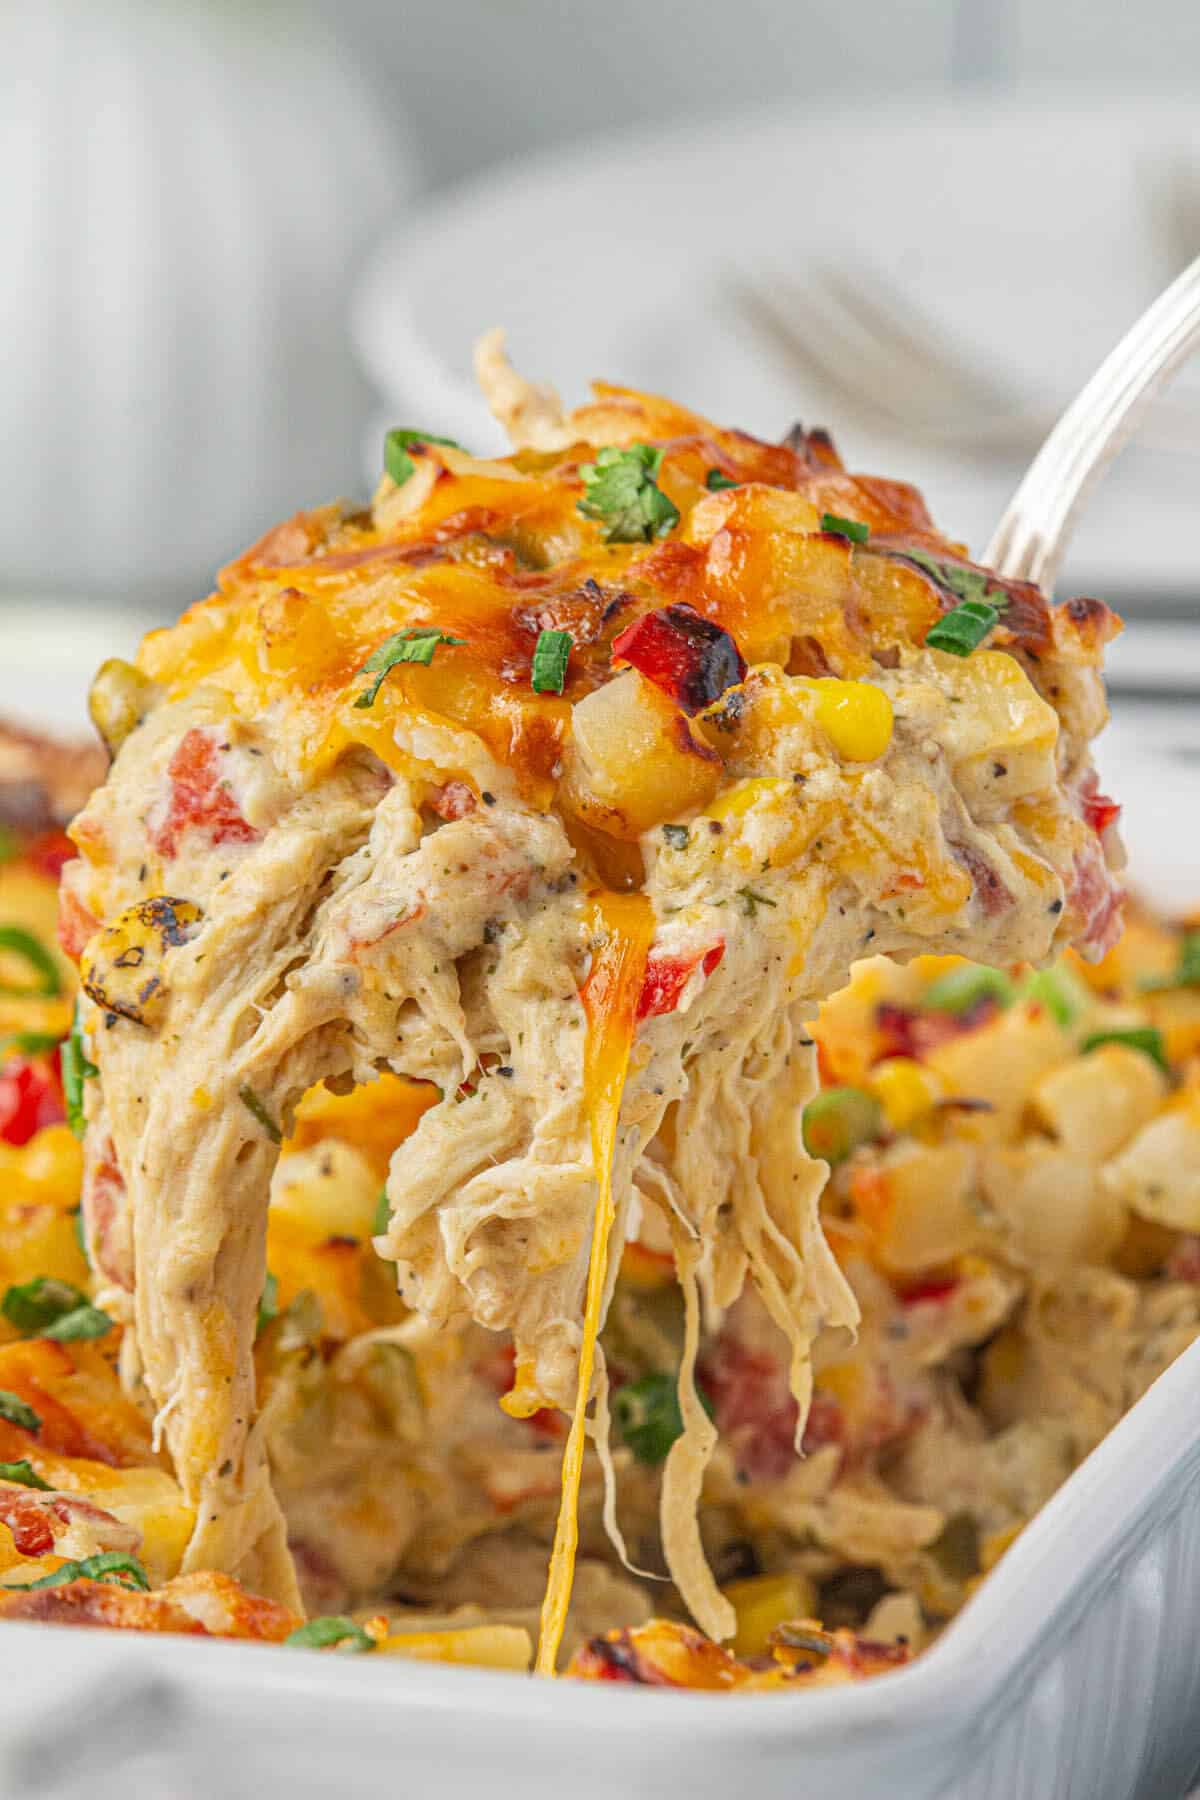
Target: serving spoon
(1029,542)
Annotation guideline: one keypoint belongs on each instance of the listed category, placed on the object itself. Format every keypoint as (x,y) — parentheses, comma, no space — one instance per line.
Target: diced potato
(1157,1175)
(328,1190)
(1095,1103)
(999,1063)
(917,1205)
(634,760)
(1053,1202)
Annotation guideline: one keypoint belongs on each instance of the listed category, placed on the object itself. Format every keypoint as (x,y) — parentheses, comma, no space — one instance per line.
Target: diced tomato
(50,853)
(31,1097)
(1099,811)
(689,657)
(199,798)
(30,1520)
(667,976)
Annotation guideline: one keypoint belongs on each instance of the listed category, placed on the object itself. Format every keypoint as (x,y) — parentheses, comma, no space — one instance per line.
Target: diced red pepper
(1100,812)
(31,1097)
(31,1520)
(667,976)
(50,853)
(75,924)
(199,798)
(689,657)
(933,1290)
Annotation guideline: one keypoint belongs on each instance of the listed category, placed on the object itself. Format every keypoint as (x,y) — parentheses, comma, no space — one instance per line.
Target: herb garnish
(383,1213)
(76,1069)
(550,655)
(319,1634)
(414,645)
(396,446)
(268,1305)
(111,1565)
(23,943)
(751,900)
(963,628)
(961,989)
(47,1307)
(854,529)
(18,1411)
(24,1473)
(620,488)
(647,1415)
(257,1110)
(716,479)
(28,1043)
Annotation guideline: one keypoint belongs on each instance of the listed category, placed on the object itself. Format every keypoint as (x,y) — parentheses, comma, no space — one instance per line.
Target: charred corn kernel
(762,1602)
(119,700)
(121,967)
(524,1397)
(855,716)
(737,801)
(906,1090)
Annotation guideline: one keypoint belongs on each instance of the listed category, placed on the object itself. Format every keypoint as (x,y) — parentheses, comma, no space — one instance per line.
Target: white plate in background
(1028,229)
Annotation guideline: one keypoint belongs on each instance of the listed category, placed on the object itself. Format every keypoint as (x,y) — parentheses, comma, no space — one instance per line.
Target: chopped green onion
(620,489)
(268,1305)
(1146,1038)
(319,1634)
(23,943)
(751,900)
(396,445)
(854,529)
(47,1307)
(550,661)
(76,1069)
(715,480)
(965,584)
(958,990)
(110,1565)
(24,1473)
(963,628)
(414,645)
(1058,992)
(257,1110)
(647,1415)
(837,1120)
(1186,972)
(28,1043)
(383,1213)
(678,836)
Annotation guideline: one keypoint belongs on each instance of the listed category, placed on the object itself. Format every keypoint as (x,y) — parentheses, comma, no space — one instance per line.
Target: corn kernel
(906,1090)
(762,1602)
(855,716)
(737,801)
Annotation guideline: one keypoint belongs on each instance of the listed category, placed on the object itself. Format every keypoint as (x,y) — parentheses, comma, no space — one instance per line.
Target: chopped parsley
(396,446)
(716,479)
(1146,1038)
(678,836)
(24,1473)
(963,628)
(854,529)
(257,1110)
(414,645)
(620,489)
(550,656)
(1186,972)
(111,1565)
(751,900)
(18,1411)
(76,1069)
(47,1307)
(268,1305)
(320,1634)
(23,944)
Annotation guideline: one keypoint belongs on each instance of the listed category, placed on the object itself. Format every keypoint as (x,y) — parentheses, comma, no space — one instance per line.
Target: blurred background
(243,235)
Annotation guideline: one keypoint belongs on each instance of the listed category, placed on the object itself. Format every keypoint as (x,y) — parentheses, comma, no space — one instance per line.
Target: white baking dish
(1073,1675)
